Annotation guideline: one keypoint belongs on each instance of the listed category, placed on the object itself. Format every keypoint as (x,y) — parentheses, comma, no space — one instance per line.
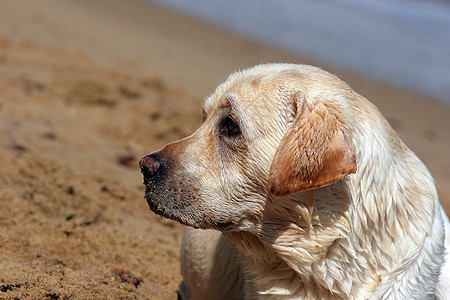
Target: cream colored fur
(302,224)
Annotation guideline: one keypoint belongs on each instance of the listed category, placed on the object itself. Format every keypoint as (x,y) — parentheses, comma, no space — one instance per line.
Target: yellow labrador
(296,187)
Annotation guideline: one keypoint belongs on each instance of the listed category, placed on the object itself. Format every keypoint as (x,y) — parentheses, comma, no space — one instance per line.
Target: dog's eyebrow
(225,104)
(232,102)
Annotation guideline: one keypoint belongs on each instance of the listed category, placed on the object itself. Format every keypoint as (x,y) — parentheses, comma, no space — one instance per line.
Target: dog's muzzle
(156,187)
(174,194)
(167,194)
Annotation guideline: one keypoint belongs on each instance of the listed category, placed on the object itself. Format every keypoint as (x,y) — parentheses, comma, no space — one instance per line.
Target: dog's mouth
(164,201)
(189,219)
(176,196)
(160,205)
(179,206)
(166,196)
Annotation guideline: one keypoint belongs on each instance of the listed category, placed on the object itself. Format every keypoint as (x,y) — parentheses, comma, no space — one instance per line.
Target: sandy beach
(89,87)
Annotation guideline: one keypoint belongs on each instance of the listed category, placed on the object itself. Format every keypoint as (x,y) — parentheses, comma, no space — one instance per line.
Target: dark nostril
(150,165)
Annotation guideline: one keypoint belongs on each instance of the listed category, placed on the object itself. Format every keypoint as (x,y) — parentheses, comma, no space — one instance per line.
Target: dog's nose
(149,165)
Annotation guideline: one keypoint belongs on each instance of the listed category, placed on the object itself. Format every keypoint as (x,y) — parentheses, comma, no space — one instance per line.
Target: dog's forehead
(265,78)
(264,90)
(244,94)
(231,88)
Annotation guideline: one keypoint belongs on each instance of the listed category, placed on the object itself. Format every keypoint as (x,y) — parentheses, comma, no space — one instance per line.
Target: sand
(89,87)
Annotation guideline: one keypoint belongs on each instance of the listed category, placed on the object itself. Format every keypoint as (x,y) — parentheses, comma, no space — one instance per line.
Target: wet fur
(317,197)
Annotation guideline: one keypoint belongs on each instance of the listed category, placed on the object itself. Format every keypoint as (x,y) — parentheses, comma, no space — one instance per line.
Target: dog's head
(268,132)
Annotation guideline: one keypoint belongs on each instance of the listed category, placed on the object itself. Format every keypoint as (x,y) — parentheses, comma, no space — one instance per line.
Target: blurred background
(404,42)
(88,87)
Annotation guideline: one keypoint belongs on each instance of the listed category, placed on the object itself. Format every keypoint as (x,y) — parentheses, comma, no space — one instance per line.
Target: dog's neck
(269,275)
(288,256)
(343,241)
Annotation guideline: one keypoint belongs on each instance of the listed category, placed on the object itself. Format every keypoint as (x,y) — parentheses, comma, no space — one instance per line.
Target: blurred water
(405,42)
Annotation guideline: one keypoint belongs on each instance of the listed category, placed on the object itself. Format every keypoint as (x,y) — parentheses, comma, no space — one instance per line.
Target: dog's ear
(314,152)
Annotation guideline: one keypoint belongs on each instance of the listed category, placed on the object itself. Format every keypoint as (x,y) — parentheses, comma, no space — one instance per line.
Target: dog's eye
(229,128)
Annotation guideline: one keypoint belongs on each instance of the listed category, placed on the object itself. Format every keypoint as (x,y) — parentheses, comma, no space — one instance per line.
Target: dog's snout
(150,165)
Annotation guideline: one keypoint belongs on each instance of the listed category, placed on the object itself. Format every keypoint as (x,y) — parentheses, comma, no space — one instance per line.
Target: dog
(296,187)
